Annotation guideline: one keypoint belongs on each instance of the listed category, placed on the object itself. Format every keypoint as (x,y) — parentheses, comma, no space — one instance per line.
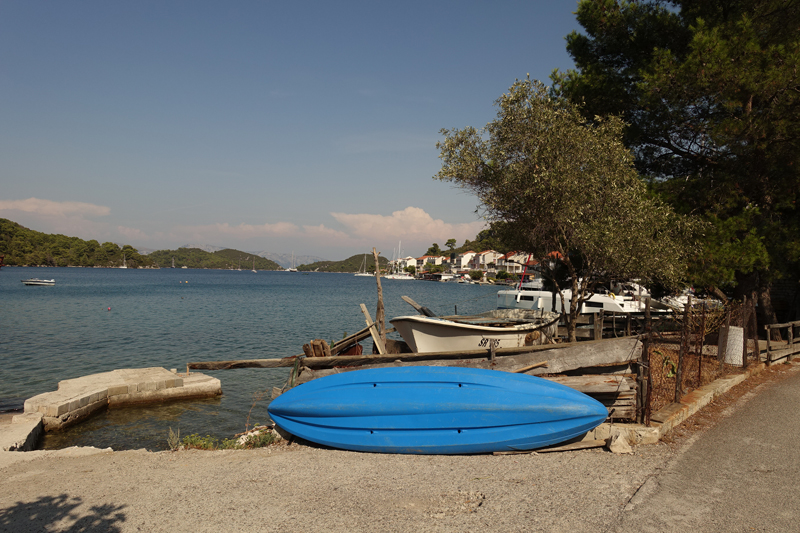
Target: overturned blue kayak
(435,410)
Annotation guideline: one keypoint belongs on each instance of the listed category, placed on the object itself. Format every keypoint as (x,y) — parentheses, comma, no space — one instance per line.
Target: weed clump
(256,438)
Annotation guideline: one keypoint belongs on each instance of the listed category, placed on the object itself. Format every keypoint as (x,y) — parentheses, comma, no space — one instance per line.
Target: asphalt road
(741,475)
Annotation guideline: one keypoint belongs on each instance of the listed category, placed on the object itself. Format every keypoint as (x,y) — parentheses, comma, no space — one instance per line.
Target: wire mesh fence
(691,347)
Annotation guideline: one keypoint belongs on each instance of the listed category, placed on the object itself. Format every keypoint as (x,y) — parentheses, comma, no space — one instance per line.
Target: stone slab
(78,398)
(22,434)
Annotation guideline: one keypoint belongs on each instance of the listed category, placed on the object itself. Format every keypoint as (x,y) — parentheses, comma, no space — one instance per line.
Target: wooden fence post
(701,340)
(769,334)
(683,349)
(648,329)
(598,325)
(745,320)
(791,342)
(754,327)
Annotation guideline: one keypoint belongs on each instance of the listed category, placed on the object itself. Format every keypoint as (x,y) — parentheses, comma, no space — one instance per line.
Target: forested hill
(351,264)
(223,259)
(25,247)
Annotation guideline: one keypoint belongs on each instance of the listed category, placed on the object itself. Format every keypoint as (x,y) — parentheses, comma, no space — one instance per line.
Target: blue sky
(280,126)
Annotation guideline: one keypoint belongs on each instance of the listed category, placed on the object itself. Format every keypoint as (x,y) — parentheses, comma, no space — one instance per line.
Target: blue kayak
(435,410)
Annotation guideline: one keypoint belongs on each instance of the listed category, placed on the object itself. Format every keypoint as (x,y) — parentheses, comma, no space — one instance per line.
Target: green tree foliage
(451,244)
(712,97)
(565,189)
(228,259)
(25,247)
(434,250)
(351,264)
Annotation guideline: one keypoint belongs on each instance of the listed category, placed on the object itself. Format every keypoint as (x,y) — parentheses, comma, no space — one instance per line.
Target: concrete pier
(76,399)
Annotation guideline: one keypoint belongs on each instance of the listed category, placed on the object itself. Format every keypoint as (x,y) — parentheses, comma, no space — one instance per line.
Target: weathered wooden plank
(577,355)
(373,329)
(785,325)
(420,309)
(594,384)
(242,363)
(572,357)
(529,367)
(580,445)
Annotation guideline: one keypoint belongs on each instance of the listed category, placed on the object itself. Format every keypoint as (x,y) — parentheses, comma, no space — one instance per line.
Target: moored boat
(501,328)
(400,276)
(541,300)
(435,410)
(37,281)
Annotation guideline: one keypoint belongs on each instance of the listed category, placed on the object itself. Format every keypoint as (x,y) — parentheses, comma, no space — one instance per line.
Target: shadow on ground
(61,513)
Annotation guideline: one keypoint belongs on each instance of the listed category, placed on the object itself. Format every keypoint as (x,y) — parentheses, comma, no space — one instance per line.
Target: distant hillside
(285,260)
(351,264)
(25,247)
(227,258)
(210,248)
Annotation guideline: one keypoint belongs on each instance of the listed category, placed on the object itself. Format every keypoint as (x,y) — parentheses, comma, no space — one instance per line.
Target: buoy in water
(109,309)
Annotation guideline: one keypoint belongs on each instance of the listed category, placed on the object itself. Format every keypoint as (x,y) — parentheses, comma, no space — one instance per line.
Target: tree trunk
(746,285)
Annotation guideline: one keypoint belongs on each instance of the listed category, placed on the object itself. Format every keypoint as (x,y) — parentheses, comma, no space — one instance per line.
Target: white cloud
(323,233)
(415,227)
(51,208)
(223,231)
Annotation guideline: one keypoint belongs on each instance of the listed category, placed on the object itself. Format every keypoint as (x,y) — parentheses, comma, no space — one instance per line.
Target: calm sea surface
(169,317)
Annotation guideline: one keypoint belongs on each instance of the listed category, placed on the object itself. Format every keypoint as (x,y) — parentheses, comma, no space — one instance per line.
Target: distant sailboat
(362,271)
(124,263)
(292,268)
(254,265)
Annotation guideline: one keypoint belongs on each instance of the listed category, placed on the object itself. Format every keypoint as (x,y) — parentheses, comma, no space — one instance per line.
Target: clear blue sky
(278,126)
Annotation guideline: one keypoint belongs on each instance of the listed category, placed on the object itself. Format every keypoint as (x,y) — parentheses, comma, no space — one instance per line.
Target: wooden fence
(787,350)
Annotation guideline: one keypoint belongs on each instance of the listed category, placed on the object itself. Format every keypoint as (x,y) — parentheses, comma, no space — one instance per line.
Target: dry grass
(696,372)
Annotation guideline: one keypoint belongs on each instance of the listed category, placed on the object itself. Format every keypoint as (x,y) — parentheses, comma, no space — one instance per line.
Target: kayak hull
(435,410)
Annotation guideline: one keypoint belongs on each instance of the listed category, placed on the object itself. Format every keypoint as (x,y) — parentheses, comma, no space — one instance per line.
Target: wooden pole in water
(380,318)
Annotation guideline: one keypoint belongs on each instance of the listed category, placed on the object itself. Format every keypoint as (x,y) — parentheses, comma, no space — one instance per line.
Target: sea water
(97,320)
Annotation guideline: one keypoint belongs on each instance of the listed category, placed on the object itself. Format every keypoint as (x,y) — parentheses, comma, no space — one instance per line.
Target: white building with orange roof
(483,260)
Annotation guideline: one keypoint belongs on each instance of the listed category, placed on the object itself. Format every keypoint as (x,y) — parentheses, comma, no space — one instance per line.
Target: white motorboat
(511,328)
(541,300)
(398,275)
(37,281)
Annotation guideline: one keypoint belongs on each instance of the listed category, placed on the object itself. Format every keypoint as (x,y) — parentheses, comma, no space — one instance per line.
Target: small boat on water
(37,281)
(398,275)
(435,410)
(509,328)
(362,270)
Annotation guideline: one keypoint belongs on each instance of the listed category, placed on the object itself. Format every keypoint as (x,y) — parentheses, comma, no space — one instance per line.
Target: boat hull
(435,410)
(39,282)
(431,334)
(539,300)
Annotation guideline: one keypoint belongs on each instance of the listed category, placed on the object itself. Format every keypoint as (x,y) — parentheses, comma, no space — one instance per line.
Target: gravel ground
(304,488)
(294,488)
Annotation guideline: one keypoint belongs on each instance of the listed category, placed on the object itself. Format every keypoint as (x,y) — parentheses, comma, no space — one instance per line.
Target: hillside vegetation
(25,247)
(351,264)
(222,259)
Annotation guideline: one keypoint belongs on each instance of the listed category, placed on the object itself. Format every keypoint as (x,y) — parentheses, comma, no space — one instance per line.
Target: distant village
(445,267)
